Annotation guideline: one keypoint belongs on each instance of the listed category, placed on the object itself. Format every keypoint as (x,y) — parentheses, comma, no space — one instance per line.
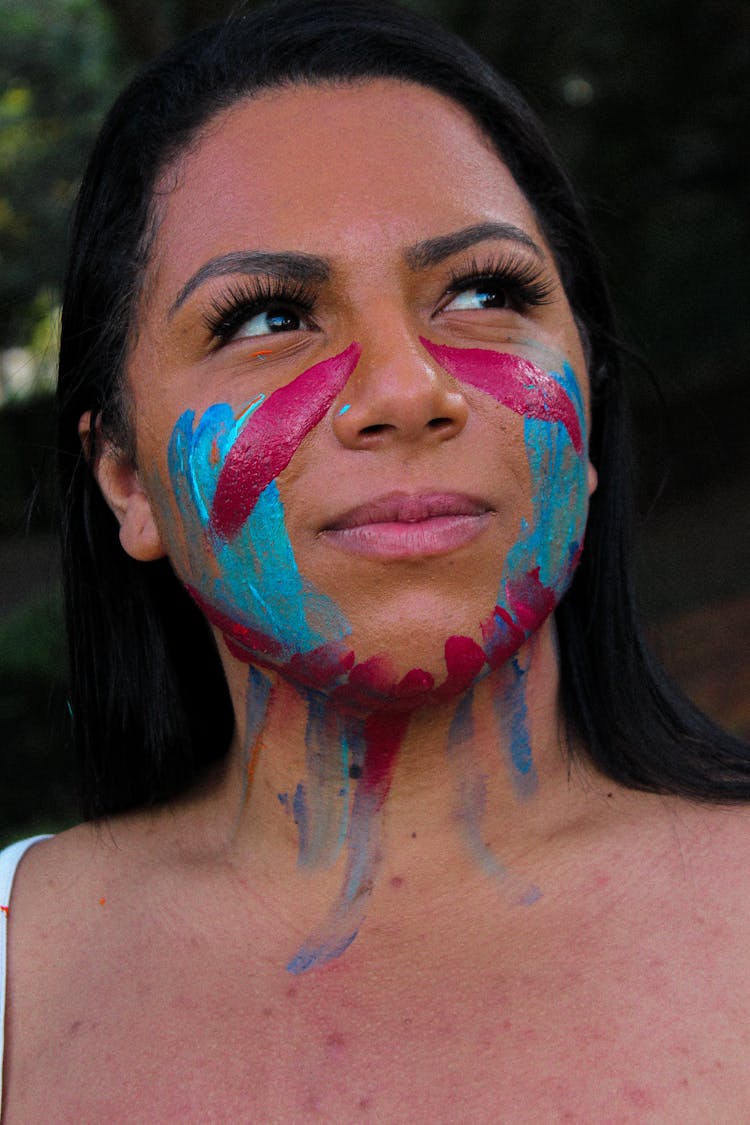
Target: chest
(660,1035)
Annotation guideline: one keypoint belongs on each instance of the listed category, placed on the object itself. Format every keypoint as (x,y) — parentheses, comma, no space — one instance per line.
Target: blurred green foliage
(60,67)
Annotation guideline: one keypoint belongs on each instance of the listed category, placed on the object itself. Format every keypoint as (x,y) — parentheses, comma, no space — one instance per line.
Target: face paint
(515,382)
(265,447)
(240,568)
(223,473)
(540,565)
(239,561)
(375,743)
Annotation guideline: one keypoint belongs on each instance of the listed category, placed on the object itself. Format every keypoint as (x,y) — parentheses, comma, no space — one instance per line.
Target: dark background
(648,103)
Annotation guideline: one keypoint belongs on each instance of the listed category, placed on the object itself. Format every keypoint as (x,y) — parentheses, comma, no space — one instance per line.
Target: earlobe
(121,488)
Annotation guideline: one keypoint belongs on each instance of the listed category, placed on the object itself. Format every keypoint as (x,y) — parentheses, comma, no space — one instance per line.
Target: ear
(121,487)
(592,479)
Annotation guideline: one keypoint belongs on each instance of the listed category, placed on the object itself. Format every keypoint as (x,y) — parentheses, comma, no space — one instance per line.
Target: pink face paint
(383,733)
(513,381)
(269,441)
(464,660)
(242,641)
(530,601)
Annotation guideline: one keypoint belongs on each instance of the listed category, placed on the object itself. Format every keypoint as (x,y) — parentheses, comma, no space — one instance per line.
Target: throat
(339,802)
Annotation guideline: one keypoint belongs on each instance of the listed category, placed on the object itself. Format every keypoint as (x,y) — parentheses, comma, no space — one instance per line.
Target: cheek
(539,566)
(553,410)
(551,544)
(247,583)
(233,550)
(519,385)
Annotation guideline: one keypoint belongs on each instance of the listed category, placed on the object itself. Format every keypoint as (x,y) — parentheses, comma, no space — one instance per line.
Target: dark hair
(149,699)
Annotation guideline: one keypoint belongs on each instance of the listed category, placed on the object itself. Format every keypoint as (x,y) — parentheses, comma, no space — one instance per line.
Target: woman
(392,815)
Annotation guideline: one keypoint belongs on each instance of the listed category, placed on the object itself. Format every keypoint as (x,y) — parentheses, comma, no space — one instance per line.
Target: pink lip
(402,526)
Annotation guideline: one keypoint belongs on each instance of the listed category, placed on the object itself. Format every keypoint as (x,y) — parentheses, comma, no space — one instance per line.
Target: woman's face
(359,393)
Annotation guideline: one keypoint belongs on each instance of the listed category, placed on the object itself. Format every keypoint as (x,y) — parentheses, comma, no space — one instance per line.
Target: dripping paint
(238,564)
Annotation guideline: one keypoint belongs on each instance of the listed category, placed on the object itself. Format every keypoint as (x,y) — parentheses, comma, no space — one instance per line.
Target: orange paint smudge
(254,755)
(102,901)
(266,352)
(252,763)
(213,457)
(254,403)
(4,909)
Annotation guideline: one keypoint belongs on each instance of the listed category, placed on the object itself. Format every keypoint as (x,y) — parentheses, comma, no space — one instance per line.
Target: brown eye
(260,307)
(269,321)
(506,283)
(481,296)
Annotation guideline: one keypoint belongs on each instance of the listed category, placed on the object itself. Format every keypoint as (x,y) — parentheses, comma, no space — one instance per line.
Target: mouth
(403,526)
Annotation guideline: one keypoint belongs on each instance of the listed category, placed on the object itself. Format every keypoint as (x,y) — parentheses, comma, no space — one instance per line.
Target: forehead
(319,168)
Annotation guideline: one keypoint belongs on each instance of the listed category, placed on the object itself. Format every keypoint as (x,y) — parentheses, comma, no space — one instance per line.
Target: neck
(337,803)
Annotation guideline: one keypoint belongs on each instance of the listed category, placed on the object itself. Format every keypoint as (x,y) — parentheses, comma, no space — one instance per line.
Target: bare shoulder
(50,873)
(80,866)
(686,867)
(72,868)
(60,893)
(77,902)
(714,844)
(700,850)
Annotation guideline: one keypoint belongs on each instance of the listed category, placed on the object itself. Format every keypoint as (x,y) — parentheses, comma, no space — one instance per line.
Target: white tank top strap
(10,858)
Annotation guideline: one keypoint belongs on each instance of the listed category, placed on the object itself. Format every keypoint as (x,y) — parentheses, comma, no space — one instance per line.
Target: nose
(398,394)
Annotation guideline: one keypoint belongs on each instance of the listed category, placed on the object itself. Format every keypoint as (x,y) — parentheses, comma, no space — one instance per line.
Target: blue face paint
(560,497)
(253,578)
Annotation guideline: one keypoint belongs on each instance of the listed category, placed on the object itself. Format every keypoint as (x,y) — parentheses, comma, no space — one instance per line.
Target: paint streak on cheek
(539,566)
(513,381)
(234,552)
(266,445)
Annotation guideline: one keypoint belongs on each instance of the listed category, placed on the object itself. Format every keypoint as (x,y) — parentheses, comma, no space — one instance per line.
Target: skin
(161,992)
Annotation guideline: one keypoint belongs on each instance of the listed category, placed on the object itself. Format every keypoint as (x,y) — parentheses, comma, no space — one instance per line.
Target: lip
(406,526)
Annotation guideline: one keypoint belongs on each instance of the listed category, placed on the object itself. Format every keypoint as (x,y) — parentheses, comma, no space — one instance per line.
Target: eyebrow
(283,264)
(291,266)
(432,251)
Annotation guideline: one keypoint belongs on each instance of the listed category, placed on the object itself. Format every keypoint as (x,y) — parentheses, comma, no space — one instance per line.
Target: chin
(398,669)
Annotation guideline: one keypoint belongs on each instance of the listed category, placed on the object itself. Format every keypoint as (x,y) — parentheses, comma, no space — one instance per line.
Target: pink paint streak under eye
(272,435)
(513,381)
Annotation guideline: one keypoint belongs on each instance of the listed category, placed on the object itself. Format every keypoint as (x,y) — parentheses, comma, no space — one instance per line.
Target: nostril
(440,423)
(378,428)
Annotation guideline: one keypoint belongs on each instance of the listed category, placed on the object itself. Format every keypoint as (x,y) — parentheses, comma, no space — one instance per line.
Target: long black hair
(150,704)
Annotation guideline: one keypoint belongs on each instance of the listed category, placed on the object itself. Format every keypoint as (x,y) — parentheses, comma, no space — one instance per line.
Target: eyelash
(523,282)
(253,295)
